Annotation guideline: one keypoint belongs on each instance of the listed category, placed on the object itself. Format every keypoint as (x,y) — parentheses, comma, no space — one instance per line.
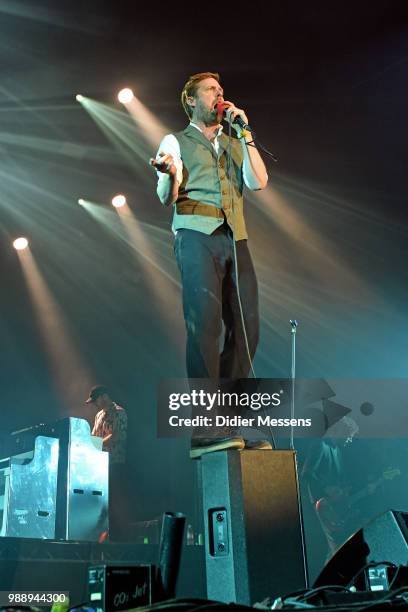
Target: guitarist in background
(325,474)
(339,480)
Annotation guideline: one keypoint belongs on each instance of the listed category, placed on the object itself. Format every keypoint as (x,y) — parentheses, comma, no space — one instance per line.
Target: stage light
(81,202)
(20,243)
(78,97)
(118,201)
(125,95)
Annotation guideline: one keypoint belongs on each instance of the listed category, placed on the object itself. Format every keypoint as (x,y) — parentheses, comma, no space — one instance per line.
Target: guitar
(337,509)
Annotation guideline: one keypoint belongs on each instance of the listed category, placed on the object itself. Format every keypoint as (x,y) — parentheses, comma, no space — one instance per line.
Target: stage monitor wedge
(385,538)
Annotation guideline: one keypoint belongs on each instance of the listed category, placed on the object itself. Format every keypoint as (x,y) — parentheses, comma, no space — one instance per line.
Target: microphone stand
(294,325)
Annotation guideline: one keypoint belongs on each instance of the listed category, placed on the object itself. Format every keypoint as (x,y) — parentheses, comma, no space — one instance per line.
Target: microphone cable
(256,140)
(236,271)
(244,329)
(231,201)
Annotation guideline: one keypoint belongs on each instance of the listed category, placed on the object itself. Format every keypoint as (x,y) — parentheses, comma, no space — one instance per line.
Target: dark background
(325,86)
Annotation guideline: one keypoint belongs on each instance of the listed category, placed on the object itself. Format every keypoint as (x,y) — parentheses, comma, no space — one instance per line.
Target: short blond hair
(190,88)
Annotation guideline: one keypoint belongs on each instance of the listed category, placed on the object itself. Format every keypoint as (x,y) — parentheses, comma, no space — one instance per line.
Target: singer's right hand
(164,163)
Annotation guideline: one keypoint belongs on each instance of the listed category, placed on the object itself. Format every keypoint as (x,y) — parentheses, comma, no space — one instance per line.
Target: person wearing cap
(201,175)
(110,424)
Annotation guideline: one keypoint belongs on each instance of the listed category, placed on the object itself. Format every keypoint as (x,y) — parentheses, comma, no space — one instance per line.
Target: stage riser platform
(63,566)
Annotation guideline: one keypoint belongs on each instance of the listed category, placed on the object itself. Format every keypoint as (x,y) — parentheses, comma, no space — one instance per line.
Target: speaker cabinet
(252,522)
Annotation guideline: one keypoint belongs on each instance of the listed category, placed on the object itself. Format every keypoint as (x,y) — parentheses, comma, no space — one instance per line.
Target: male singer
(202,173)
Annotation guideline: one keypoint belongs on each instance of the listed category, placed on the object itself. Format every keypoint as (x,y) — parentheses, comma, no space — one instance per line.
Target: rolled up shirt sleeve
(171,146)
(245,177)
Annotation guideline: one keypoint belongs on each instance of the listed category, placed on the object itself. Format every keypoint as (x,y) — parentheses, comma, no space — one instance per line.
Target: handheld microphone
(222,111)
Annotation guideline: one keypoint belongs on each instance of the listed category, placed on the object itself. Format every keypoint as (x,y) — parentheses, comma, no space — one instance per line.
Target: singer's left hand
(232,112)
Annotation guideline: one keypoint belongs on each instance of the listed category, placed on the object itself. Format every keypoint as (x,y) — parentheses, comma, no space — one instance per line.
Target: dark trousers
(206,264)
(119,508)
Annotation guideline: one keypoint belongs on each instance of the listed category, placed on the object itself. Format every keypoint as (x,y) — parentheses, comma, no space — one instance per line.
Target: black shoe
(201,446)
(258,445)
